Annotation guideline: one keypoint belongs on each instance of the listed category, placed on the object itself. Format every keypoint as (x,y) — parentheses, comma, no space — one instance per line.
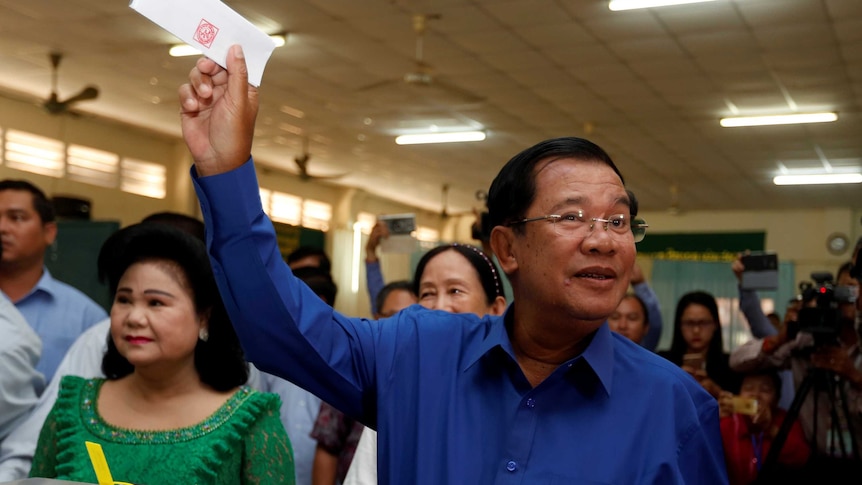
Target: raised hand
(378,233)
(218,113)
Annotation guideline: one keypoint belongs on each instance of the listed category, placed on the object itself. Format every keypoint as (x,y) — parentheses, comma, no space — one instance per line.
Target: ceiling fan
(445,212)
(422,79)
(53,104)
(301,162)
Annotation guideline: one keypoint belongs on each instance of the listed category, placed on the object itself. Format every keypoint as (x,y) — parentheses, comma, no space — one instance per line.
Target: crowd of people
(220,361)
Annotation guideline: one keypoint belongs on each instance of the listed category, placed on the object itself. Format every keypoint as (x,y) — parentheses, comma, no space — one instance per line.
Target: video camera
(820,314)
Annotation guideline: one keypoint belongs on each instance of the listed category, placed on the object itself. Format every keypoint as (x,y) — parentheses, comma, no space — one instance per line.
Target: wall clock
(837,243)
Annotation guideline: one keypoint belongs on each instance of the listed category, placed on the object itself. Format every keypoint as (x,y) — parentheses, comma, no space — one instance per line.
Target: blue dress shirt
(59,313)
(374,283)
(445,391)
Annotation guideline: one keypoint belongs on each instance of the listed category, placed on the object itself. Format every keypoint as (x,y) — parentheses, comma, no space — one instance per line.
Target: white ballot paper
(212,27)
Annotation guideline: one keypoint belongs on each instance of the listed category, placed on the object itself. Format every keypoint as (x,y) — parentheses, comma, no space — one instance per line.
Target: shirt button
(531,403)
(511,466)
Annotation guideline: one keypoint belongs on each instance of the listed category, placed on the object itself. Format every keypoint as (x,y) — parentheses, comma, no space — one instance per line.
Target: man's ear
(50,231)
(502,242)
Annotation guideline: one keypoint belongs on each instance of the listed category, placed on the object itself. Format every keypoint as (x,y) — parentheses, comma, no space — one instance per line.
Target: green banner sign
(712,246)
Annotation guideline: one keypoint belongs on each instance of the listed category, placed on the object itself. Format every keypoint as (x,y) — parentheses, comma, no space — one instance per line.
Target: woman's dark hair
(513,190)
(187,223)
(219,361)
(489,274)
(678,344)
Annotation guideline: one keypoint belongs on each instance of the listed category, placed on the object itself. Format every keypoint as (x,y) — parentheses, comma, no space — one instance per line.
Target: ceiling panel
(648,85)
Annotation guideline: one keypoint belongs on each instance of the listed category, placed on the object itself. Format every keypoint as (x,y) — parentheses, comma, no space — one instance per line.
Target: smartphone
(744,405)
(399,224)
(694,361)
(761,271)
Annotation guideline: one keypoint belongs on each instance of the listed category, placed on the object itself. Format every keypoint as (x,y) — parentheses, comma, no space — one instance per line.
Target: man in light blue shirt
(545,394)
(20,382)
(57,312)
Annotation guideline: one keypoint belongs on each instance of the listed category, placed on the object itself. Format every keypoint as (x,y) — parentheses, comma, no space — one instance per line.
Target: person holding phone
(760,324)
(697,344)
(751,422)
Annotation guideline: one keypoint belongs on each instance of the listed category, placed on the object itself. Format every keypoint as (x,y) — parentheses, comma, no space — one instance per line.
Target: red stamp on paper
(206,33)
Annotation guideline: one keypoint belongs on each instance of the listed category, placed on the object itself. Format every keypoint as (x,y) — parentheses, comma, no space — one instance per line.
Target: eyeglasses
(575,223)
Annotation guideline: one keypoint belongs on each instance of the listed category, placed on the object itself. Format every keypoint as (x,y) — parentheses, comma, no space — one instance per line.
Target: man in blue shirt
(20,382)
(57,312)
(544,394)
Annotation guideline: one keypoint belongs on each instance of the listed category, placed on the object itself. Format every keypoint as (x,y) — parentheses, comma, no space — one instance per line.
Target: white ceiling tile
(648,86)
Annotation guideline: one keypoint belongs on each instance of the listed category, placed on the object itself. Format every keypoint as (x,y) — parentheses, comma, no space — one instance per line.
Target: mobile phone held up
(744,405)
(761,271)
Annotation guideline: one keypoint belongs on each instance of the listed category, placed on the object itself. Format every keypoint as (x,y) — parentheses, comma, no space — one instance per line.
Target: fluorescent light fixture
(617,5)
(455,136)
(181,50)
(778,119)
(815,179)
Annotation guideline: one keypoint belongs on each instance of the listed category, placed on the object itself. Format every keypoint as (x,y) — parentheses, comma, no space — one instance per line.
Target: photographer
(830,412)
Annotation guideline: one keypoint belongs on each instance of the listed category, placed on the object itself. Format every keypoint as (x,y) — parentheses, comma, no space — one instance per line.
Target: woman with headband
(456,278)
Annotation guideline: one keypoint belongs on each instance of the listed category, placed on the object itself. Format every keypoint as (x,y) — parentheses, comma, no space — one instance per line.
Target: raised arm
(373,275)
(285,329)
(749,304)
(648,296)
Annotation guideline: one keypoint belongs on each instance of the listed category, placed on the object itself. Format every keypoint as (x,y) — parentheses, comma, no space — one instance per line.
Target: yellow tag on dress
(100,465)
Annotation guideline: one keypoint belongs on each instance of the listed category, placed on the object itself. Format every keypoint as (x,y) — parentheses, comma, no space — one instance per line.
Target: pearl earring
(204,334)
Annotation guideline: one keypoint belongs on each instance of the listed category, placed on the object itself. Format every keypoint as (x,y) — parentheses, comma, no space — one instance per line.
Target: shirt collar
(46,284)
(599,354)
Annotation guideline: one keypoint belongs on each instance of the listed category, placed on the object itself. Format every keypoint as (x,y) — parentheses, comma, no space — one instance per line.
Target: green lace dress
(244,441)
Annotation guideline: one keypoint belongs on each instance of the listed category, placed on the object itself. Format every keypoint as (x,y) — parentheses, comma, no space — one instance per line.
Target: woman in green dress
(174,407)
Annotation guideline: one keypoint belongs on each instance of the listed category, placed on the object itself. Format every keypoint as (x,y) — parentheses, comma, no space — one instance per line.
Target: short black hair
(389,288)
(633,203)
(219,360)
(513,190)
(320,282)
(41,204)
(306,251)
